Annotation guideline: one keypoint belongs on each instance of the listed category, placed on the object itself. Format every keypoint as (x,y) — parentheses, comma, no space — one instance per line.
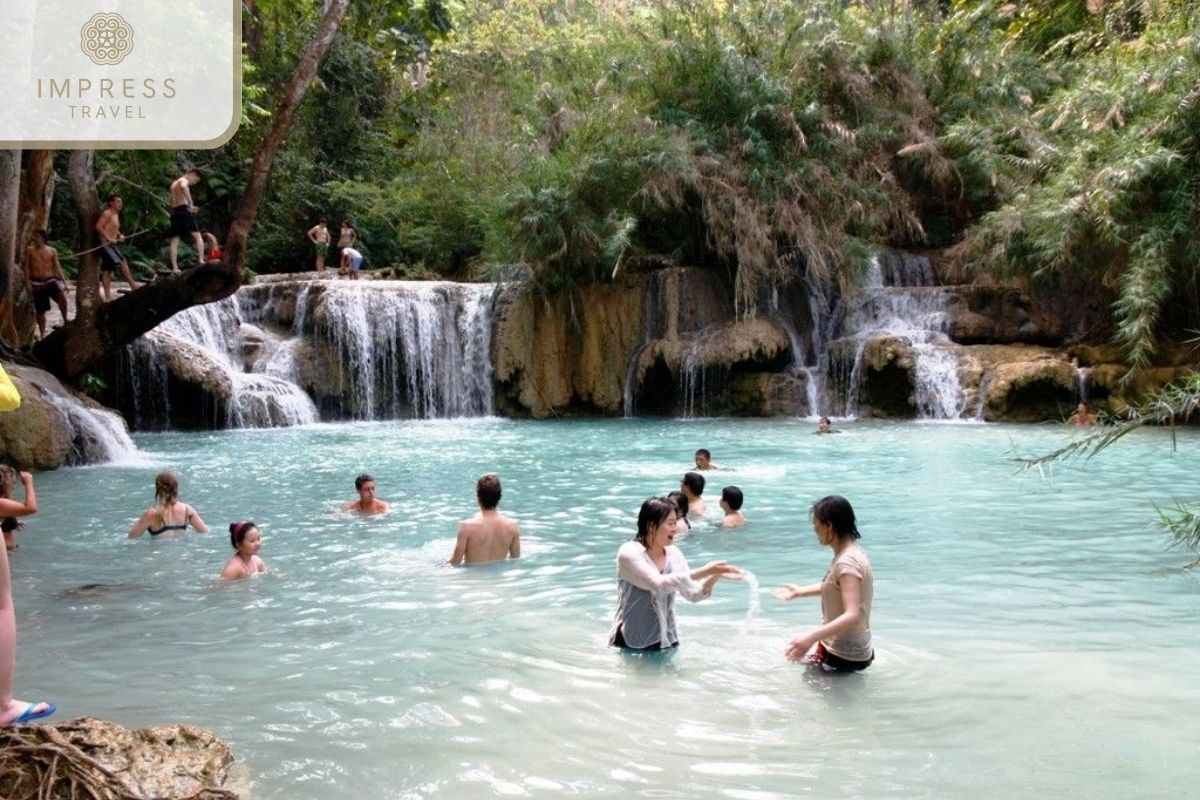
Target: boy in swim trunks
(44,279)
(319,235)
(183,217)
(108,226)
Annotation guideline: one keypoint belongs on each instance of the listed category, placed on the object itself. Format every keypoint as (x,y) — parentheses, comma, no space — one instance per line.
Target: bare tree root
(43,762)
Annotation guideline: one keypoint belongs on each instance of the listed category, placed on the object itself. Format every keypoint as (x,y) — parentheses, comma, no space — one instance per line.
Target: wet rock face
(92,758)
(57,426)
(36,435)
(566,354)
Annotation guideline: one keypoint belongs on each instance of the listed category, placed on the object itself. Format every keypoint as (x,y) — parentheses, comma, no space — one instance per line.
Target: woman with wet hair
(650,571)
(168,513)
(681,510)
(843,640)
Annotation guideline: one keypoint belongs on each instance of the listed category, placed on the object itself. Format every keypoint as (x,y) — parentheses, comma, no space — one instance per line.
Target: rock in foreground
(93,758)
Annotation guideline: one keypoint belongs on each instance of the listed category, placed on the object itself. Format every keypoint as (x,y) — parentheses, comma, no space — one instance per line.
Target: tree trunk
(281,122)
(98,331)
(10,273)
(37,193)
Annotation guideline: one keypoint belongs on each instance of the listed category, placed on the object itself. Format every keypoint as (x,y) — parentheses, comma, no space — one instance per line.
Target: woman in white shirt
(650,570)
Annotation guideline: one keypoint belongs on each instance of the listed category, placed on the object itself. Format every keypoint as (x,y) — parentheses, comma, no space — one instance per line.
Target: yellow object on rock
(10,398)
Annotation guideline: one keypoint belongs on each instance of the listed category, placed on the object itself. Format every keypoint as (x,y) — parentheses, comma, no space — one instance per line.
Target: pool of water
(1033,634)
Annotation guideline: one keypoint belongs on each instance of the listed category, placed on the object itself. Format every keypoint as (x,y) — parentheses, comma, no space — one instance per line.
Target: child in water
(247,541)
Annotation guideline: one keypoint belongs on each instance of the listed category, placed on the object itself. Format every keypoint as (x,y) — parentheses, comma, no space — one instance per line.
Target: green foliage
(1182,523)
(1053,138)
(92,385)
(1097,178)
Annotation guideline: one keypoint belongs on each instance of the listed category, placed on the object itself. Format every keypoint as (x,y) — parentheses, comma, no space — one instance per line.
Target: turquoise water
(1033,634)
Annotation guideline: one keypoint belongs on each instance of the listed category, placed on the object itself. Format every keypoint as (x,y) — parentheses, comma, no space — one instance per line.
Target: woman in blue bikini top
(168,513)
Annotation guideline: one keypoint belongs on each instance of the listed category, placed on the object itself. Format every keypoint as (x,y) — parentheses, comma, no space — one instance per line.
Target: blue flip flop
(29,715)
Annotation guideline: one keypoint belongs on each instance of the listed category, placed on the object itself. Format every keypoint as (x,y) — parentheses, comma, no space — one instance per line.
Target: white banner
(120,73)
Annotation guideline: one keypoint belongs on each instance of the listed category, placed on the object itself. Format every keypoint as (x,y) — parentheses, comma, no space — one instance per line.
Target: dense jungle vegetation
(569,140)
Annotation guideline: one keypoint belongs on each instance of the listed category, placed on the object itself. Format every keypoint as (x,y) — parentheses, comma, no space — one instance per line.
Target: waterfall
(651,330)
(411,349)
(215,330)
(1083,379)
(898,300)
(365,350)
(97,434)
(808,366)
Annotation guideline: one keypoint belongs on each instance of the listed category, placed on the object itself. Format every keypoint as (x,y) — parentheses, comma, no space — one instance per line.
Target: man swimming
(489,535)
(692,487)
(366,503)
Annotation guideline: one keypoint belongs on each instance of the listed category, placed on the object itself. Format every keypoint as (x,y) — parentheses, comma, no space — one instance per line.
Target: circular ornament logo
(106,39)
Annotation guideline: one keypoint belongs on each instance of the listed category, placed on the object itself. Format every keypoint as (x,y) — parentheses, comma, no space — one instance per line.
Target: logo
(106,39)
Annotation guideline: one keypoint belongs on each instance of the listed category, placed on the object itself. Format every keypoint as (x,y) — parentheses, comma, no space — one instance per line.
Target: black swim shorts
(183,222)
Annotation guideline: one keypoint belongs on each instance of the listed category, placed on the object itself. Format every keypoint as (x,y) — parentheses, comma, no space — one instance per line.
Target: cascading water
(1083,379)
(898,300)
(368,350)
(651,330)
(411,349)
(97,434)
(256,400)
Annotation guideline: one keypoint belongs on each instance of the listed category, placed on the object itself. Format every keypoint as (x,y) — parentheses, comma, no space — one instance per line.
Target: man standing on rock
(44,279)
(183,217)
(109,228)
(319,235)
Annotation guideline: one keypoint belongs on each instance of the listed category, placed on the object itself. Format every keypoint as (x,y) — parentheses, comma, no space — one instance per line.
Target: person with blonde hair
(168,513)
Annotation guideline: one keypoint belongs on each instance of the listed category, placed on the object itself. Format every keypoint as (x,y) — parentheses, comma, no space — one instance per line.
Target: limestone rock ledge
(57,426)
(93,758)
(569,354)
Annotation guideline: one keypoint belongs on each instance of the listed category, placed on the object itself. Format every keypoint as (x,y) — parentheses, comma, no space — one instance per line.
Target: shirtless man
(366,503)
(704,461)
(44,279)
(1083,417)
(319,235)
(489,535)
(692,487)
(108,226)
(183,217)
